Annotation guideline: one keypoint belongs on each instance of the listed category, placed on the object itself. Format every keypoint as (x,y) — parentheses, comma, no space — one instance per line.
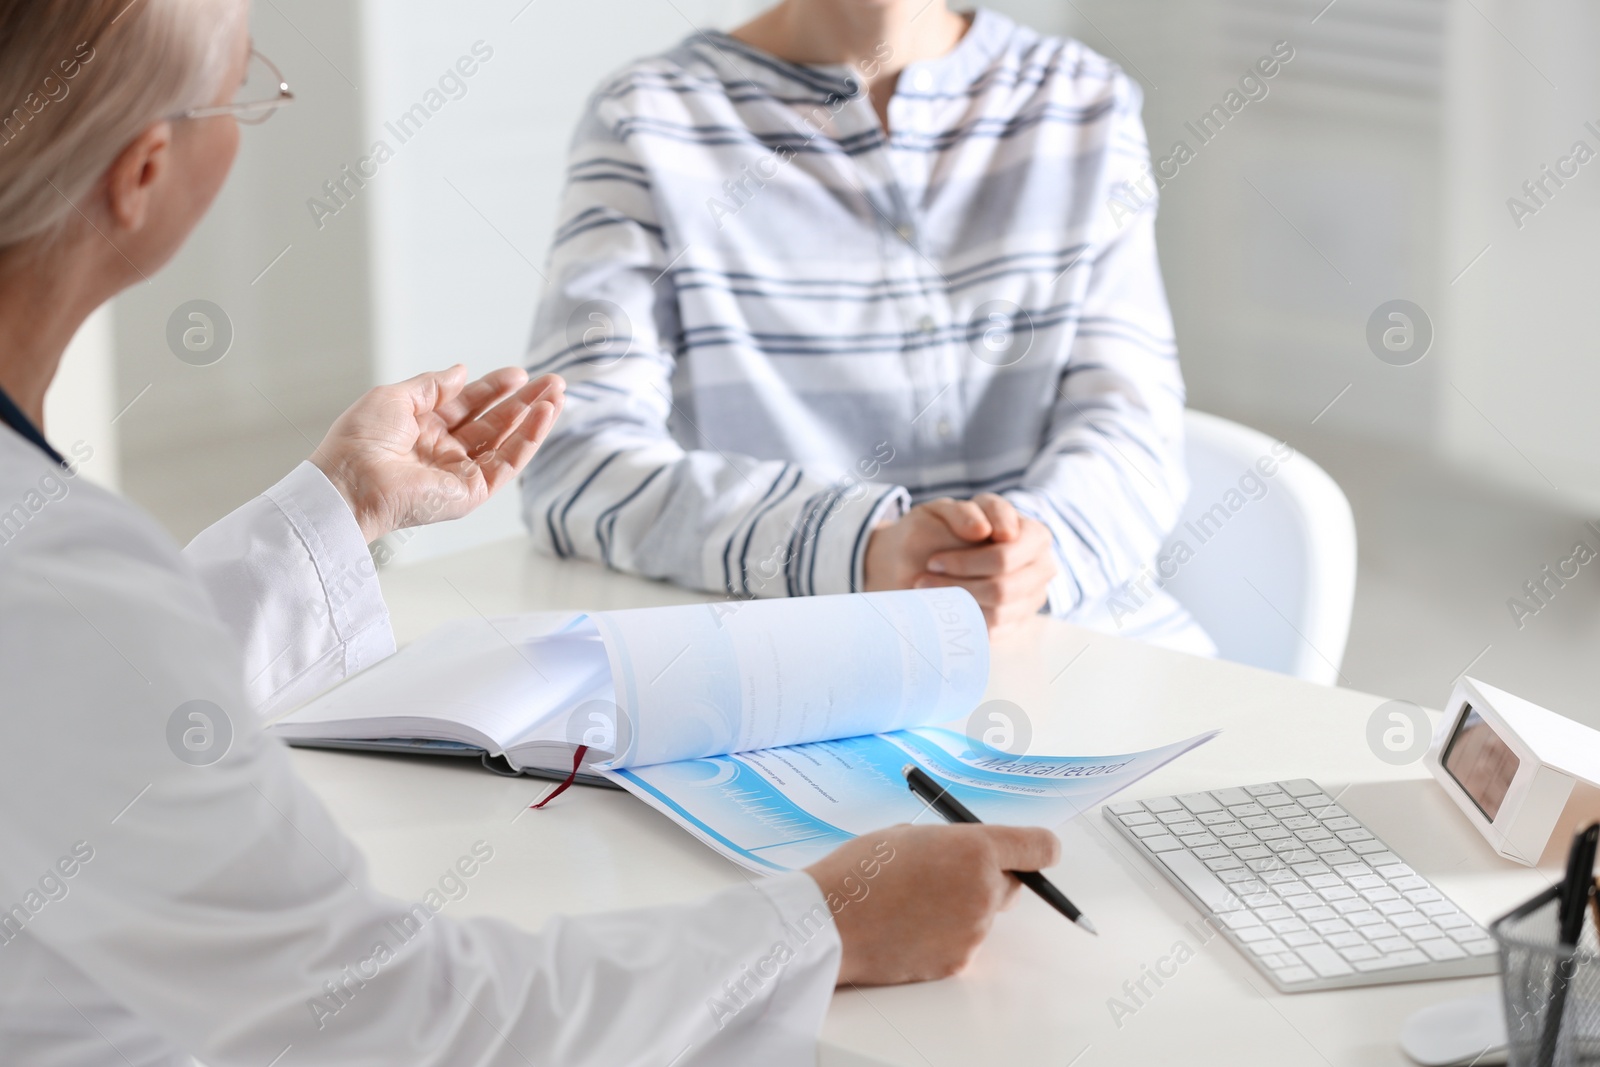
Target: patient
(842,306)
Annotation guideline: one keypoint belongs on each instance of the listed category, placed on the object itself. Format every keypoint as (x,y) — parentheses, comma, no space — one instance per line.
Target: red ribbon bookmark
(577,760)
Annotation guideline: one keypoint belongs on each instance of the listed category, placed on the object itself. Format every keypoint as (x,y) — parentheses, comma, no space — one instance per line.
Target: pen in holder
(1550,965)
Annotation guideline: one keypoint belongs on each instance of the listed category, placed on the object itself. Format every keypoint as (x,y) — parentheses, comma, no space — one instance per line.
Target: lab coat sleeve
(291,576)
(219,902)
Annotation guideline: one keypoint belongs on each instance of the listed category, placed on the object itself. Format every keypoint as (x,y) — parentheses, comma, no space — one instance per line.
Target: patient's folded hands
(1004,559)
(434,447)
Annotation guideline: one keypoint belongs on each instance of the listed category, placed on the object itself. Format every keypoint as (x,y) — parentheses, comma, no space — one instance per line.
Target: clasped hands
(984,545)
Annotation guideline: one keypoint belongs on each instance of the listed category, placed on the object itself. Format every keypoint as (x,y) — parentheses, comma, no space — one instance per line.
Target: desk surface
(1041,991)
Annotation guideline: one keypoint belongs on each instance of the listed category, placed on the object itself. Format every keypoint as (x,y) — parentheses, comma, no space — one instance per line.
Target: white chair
(1265,562)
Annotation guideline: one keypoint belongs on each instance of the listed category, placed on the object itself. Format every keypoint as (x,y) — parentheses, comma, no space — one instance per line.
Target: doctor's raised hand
(434,447)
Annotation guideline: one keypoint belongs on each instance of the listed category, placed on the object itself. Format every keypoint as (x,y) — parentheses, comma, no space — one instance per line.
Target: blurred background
(1380,166)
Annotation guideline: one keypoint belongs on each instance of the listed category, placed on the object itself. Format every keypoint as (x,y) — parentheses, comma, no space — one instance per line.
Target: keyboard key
(1240,811)
(1382,963)
(1357,953)
(1433,908)
(1170,817)
(1249,934)
(1238,840)
(1301,787)
(1341,857)
(1353,870)
(1409,881)
(1337,893)
(1366,881)
(1149,830)
(1194,840)
(1326,812)
(1364,848)
(1442,949)
(1262,790)
(1364,918)
(1392,945)
(1253,852)
(1138,818)
(1269,865)
(1379,859)
(1125,809)
(1286,958)
(1271,800)
(1198,802)
(1165,843)
(1322,881)
(1317,799)
(1276,875)
(1258,822)
(1270,947)
(1231,796)
(1287,926)
(1382,894)
(1326,962)
(1224,863)
(1286,811)
(1480,948)
(1306,870)
(1211,852)
(1425,932)
(1279,912)
(1294,975)
(1322,848)
(1380,932)
(1163,804)
(1236,874)
(1391,908)
(1350,837)
(1314,833)
(1320,913)
(1240,919)
(1291,889)
(1245,888)
(1301,938)
(1301,822)
(1403,917)
(1464,934)
(1297,856)
(1215,818)
(1215,895)
(1326,927)
(1349,940)
(1349,907)
(1454,922)
(1303,902)
(1343,822)
(1183,829)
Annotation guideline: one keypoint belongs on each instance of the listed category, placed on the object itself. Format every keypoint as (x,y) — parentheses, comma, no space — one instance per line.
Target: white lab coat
(156,910)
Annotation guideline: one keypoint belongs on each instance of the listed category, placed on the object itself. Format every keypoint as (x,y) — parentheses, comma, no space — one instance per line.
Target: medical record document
(772,730)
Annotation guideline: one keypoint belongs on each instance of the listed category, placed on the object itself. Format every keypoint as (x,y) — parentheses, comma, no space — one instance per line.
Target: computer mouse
(1471,1030)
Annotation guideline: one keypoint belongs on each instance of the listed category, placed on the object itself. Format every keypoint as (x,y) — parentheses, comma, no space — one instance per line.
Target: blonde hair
(80,79)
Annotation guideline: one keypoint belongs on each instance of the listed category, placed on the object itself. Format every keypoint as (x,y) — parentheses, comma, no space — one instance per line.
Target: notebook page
(709,679)
(483,681)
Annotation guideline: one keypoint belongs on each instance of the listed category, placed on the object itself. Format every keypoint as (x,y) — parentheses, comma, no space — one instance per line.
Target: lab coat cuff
(352,598)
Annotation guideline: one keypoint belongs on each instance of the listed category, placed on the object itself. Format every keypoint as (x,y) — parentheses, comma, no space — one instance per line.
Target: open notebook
(657,685)
(773,730)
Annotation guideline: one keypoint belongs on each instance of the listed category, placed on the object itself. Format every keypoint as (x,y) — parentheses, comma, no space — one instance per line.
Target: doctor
(158,907)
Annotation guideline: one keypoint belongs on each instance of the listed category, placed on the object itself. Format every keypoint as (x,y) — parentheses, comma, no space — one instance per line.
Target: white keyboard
(1307,893)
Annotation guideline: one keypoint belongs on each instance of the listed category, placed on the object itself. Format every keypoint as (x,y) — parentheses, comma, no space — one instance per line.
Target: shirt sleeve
(212,896)
(613,482)
(1110,480)
(290,575)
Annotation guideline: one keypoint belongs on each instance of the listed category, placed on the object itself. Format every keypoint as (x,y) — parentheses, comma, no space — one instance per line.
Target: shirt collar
(13,417)
(954,71)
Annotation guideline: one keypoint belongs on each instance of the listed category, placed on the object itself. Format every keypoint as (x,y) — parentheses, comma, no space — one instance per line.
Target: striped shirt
(781,325)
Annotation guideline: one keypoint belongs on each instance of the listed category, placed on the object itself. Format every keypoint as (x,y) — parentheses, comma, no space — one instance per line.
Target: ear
(135,174)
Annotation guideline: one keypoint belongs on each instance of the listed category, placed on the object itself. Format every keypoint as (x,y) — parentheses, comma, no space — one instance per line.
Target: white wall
(81,406)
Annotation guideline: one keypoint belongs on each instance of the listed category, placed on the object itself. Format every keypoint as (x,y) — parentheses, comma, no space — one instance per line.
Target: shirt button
(922,81)
(927,325)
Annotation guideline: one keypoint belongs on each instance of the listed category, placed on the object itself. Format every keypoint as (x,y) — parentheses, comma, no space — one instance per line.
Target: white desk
(1039,993)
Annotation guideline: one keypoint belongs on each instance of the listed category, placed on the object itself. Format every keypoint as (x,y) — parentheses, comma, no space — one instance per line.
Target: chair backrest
(1264,556)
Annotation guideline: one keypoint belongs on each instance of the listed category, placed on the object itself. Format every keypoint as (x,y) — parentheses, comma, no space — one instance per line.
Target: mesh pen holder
(1544,980)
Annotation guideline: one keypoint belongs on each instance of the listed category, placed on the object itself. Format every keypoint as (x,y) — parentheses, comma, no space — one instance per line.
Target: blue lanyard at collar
(13,417)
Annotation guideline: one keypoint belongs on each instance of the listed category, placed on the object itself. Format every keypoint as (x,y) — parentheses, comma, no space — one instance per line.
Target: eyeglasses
(264,91)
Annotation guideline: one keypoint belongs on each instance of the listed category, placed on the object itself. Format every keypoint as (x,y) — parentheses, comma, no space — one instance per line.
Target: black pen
(940,800)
